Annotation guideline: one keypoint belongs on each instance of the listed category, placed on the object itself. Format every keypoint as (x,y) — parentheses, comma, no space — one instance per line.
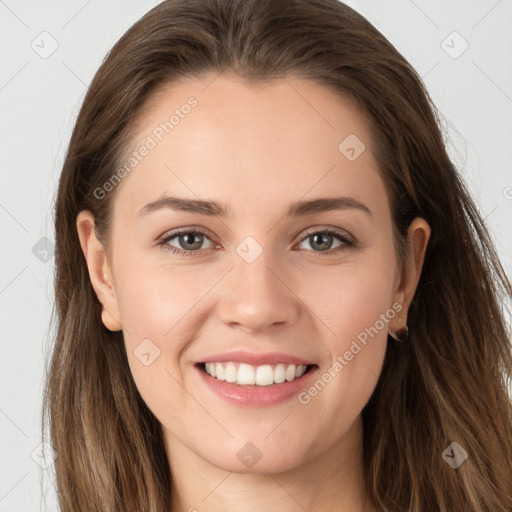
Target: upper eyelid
(332,229)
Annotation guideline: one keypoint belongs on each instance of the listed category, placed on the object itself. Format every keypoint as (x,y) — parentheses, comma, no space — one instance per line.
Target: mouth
(252,379)
(255,376)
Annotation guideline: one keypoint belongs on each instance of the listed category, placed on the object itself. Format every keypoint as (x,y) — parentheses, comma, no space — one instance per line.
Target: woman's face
(259,284)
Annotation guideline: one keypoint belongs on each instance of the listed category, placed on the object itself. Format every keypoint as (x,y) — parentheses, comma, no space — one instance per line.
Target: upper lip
(241,356)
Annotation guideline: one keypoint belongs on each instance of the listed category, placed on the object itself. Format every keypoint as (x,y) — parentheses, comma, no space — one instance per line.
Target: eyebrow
(212,208)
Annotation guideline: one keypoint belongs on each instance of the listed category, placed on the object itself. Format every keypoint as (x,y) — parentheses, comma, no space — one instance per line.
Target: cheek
(352,299)
(355,307)
(359,308)
(154,299)
(157,308)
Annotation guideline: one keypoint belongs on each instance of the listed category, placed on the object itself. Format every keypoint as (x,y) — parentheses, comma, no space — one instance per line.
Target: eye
(189,241)
(322,240)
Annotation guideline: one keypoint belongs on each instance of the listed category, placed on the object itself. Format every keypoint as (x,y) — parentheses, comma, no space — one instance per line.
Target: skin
(256,149)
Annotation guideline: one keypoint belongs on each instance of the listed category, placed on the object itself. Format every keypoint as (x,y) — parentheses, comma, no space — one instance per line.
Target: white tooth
(231,373)
(219,371)
(301,369)
(279,374)
(264,375)
(246,374)
(290,372)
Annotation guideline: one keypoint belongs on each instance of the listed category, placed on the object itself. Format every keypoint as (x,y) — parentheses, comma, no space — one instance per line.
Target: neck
(332,481)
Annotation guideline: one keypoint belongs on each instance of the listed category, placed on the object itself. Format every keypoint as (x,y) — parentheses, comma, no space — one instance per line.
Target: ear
(418,236)
(99,270)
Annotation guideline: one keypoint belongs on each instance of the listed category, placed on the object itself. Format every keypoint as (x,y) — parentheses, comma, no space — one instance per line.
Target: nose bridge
(254,269)
(256,295)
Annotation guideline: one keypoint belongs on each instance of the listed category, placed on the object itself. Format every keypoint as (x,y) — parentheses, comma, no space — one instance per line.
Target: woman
(332,338)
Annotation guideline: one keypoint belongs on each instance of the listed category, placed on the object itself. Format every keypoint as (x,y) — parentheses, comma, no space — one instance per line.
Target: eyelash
(347,240)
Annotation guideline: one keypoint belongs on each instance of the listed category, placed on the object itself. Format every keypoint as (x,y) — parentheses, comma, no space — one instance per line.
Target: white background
(39,101)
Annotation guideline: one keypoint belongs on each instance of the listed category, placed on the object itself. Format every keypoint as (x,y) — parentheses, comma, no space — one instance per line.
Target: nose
(258,296)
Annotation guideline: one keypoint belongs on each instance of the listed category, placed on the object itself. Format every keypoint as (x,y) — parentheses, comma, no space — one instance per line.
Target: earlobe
(418,237)
(109,321)
(99,270)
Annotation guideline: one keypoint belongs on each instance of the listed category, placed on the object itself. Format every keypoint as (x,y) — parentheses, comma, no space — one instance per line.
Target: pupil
(187,241)
(325,239)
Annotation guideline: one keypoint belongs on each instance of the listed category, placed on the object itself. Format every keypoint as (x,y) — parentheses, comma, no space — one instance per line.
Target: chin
(259,457)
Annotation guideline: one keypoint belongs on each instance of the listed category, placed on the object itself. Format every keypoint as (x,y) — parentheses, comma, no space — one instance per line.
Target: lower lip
(256,396)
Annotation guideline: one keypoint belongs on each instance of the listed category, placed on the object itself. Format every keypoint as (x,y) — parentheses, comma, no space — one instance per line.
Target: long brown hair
(447,383)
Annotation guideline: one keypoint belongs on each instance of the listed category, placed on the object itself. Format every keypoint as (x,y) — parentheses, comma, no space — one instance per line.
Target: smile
(262,385)
(244,374)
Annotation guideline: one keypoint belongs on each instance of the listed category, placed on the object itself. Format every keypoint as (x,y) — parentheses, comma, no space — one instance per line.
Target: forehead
(277,141)
(222,100)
